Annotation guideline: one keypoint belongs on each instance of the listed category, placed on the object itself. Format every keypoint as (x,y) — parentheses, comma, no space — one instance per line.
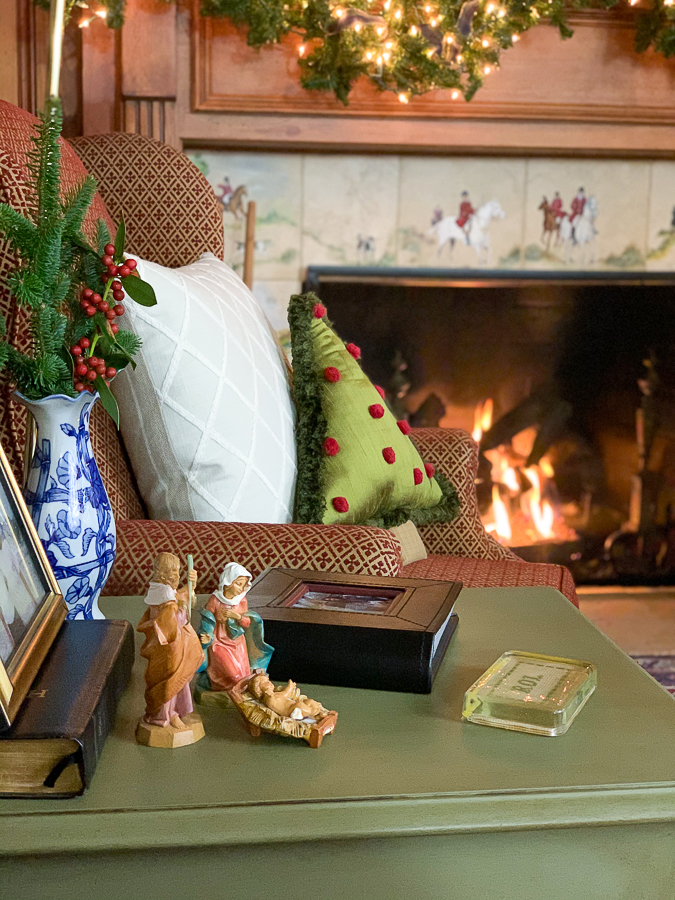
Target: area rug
(662,668)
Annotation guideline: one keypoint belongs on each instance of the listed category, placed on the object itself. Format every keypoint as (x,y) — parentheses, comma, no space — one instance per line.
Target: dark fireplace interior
(578,456)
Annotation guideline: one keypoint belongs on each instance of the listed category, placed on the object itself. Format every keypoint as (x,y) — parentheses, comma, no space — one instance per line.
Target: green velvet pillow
(356,463)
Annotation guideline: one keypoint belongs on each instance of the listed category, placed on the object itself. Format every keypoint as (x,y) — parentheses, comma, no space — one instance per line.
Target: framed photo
(31,606)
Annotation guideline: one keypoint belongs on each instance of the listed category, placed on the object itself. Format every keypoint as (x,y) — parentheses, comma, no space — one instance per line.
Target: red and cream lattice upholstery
(326,548)
(493,573)
(455,453)
(170,210)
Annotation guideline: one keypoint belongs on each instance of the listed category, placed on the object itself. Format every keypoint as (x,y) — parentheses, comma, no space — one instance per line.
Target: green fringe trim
(444,511)
(311,426)
(312,429)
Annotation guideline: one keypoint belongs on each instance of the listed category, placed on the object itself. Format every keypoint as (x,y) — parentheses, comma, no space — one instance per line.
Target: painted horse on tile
(232,200)
(551,224)
(447,231)
(578,235)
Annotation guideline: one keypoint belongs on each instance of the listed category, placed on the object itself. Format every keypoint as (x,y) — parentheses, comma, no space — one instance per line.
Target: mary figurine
(232,636)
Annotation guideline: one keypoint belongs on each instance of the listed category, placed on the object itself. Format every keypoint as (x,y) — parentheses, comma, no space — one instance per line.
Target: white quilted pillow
(207,416)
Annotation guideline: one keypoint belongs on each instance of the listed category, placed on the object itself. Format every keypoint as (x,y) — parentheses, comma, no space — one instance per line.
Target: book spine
(99,725)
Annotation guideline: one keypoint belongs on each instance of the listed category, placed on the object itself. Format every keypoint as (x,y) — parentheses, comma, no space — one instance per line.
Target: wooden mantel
(592,95)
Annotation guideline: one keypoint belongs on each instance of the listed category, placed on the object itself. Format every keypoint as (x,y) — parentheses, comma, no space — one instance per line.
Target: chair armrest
(455,453)
(326,548)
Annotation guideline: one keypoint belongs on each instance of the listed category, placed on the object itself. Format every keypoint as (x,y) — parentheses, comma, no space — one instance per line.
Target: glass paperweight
(530,692)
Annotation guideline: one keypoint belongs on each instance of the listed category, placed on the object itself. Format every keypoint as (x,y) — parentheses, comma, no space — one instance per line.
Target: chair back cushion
(171,212)
(16,129)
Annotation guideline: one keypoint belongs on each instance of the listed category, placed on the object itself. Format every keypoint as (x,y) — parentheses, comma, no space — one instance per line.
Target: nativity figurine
(232,637)
(174,653)
(286,700)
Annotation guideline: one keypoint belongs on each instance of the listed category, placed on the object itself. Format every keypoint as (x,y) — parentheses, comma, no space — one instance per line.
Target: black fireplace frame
(426,277)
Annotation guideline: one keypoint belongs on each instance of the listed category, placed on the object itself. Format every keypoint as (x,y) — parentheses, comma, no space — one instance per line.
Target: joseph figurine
(174,653)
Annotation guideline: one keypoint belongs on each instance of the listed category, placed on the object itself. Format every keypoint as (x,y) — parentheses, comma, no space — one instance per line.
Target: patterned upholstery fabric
(493,573)
(171,212)
(455,453)
(15,130)
(327,548)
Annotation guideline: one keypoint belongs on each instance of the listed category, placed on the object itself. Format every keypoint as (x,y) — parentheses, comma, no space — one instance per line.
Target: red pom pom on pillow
(340,504)
(319,311)
(331,447)
(389,455)
(430,470)
(330,373)
(418,476)
(404,428)
(379,390)
(354,350)
(376,410)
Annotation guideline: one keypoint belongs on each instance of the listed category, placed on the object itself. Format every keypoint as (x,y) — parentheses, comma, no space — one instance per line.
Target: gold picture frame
(31,605)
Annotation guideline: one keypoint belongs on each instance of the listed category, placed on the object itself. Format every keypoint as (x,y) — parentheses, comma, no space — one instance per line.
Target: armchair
(173,217)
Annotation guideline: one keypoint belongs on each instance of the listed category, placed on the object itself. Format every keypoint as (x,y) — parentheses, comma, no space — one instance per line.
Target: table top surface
(396,764)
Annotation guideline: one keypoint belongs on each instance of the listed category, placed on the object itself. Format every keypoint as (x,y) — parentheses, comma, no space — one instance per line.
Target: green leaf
(119,362)
(107,399)
(120,239)
(139,290)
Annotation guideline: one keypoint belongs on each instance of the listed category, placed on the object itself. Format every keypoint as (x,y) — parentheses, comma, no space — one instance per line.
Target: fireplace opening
(568,385)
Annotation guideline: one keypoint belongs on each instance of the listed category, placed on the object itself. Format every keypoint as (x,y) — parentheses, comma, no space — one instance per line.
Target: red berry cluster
(124,269)
(88,368)
(91,302)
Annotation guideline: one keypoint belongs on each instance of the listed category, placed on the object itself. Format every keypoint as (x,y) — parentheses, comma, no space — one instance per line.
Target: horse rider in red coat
(557,206)
(466,210)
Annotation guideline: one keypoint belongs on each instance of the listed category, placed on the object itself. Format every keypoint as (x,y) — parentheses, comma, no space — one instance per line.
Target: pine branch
(20,233)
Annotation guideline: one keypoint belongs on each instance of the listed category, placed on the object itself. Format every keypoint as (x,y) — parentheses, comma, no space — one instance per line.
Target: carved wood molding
(284,96)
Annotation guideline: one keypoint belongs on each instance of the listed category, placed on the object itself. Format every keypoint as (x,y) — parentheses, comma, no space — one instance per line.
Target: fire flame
(524,506)
(482,420)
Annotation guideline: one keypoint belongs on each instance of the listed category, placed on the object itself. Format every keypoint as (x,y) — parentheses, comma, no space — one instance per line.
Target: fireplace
(566,380)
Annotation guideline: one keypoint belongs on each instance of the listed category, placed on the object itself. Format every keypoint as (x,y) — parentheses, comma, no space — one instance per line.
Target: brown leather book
(359,631)
(56,739)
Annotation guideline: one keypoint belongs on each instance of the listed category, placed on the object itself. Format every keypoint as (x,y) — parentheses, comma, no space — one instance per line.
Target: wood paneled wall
(192,81)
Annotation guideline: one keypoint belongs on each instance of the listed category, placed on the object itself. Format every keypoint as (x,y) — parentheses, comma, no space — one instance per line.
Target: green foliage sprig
(43,281)
(57,268)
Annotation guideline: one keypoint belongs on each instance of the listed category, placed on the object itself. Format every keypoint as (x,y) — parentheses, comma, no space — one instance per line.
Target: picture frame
(31,604)
(355,630)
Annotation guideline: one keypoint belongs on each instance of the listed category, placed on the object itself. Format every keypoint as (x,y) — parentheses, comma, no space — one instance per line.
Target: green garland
(312,429)
(409,47)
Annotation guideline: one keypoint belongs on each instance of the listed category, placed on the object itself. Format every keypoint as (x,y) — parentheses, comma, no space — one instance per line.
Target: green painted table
(403,801)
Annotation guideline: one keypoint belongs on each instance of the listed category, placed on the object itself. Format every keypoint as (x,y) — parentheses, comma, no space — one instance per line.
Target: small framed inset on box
(31,606)
(355,630)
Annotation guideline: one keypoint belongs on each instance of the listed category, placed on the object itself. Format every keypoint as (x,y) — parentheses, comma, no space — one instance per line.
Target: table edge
(82,831)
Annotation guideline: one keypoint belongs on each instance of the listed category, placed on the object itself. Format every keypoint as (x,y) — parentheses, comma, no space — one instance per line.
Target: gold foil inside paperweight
(530,692)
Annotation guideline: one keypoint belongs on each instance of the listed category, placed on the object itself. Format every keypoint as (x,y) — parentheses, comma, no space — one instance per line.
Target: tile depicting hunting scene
(350,205)
(585,214)
(661,254)
(274,182)
(460,212)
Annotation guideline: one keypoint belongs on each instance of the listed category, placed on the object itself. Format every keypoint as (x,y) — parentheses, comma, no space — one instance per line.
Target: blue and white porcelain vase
(68,503)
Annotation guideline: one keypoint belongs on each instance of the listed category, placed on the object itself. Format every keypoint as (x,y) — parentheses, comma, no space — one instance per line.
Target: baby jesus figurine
(174,653)
(285,701)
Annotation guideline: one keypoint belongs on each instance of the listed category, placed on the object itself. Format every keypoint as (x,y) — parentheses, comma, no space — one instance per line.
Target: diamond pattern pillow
(207,416)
